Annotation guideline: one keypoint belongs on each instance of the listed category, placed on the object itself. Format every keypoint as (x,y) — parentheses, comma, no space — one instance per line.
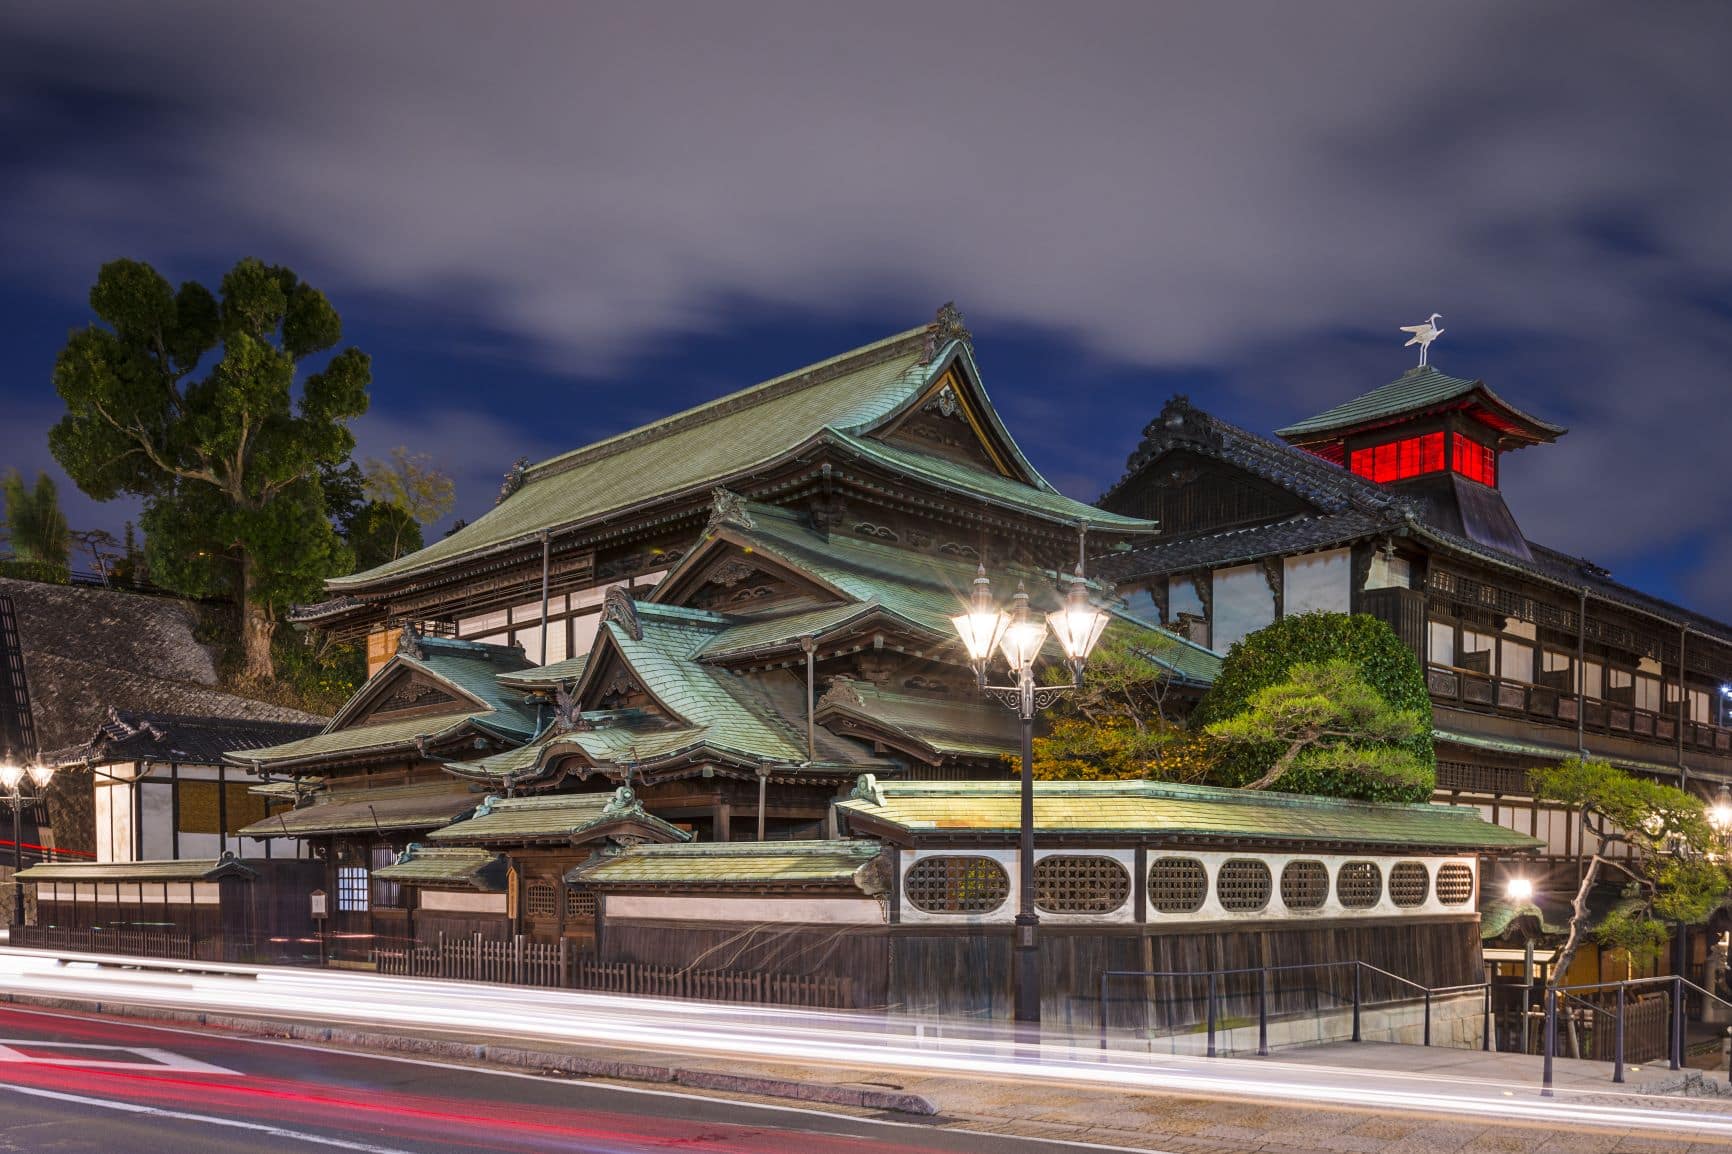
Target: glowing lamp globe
(1078,625)
(11,773)
(41,773)
(984,623)
(1024,636)
(1518,889)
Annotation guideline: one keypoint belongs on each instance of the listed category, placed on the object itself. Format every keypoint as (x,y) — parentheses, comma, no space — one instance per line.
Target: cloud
(1262,188)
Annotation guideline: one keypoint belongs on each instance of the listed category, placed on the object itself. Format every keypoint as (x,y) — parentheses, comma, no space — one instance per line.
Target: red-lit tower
(1440,439)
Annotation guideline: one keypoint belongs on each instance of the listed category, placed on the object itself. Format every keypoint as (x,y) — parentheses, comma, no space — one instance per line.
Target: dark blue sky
(549,223)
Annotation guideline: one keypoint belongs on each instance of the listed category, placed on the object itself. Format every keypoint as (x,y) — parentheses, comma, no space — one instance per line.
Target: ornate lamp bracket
(1027,700)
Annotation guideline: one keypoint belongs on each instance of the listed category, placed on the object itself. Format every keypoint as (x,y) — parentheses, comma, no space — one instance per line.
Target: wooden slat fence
(138,943)
(823,991)
(515,960)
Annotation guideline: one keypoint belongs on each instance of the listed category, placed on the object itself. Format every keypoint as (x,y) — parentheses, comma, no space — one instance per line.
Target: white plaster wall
(1243,603)
(1317,582)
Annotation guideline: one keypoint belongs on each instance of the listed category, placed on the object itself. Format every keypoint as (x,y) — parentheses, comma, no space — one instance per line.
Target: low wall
(1457,1022)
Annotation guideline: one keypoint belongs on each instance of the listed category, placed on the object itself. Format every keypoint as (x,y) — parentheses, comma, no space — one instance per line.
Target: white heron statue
(1423,335)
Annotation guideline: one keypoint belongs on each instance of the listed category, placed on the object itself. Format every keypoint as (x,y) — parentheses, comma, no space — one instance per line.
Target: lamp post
(12,777)
(1020,635)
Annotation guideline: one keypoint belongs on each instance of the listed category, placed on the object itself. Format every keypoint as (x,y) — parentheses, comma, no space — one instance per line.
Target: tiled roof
(1235,546)
(385,737)
(188,870)
(129,735)
(1418,390)
(559,817)
(450,866)
(1545,751)
(935,727)
(1170,813)
(544,677)
(697,864)
(384,809)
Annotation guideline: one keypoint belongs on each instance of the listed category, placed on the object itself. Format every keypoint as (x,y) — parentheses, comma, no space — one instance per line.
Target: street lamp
(12,776)
(1020,635)
(1720,812)
(1519,889)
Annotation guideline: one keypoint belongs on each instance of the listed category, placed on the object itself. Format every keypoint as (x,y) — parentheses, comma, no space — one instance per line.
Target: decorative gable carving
(408,693)
(618,606)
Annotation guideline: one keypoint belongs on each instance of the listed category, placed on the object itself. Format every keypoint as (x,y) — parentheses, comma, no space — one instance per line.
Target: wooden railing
(516,960)
(138,943)
(824,991)
(519,961)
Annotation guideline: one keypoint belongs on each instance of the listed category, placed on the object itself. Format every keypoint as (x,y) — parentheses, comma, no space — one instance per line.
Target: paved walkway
(1439,1066)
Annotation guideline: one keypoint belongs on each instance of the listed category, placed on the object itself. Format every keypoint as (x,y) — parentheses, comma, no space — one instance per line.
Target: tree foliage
(1677,873)
(1329,725)
(196,402)
(41,542)
(410,482)
(1115,726)
(1378,657)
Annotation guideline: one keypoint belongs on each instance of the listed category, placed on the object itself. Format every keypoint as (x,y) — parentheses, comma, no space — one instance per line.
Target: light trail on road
(513,1013)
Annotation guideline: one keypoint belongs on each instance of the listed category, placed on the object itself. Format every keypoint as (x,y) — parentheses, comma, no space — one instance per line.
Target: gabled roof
(738,864)
(1167,813)
(543,678)
(468,670)
(131,736)
(565,818)
(179,870)
(1417,392)
(839,400)
(448,867)
(933,729)
(380,809)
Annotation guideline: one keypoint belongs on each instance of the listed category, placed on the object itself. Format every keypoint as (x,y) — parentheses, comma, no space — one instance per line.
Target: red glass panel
(1431,453)
(1475,461)
(1398,460)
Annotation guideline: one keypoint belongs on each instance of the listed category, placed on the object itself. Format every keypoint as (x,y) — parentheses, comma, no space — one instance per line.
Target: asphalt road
(72,1084)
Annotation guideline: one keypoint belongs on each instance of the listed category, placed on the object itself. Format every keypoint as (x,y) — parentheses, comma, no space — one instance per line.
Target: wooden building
(1389,504)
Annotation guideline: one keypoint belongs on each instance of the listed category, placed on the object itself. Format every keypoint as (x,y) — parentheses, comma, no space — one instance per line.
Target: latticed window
(580,904)
(1080,884)
(1454,884)
(1178,885)
(956,885)
(540,900)
(1243,885)
(1359,884)
(1409,883)
(353,892)
(1304,885)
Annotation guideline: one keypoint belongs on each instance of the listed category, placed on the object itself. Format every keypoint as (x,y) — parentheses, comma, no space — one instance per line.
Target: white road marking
(151,1059)
(205,1119)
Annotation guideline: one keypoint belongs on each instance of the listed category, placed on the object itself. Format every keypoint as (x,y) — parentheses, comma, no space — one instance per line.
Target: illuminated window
(1475,461)
(1396,460)
(352,888)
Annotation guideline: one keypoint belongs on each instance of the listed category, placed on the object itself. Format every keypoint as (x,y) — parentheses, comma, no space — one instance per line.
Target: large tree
(408,493)
(199,403)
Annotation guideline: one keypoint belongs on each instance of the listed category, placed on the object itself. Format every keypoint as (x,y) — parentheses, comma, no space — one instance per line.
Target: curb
(510,1057)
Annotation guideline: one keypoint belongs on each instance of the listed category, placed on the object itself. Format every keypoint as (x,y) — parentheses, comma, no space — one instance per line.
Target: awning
(362,810)
(198,870)
(445,867)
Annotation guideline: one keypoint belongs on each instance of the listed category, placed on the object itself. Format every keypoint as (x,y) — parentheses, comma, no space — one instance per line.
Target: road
(72,1084)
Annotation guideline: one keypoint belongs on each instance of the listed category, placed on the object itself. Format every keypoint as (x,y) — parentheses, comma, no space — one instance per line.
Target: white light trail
(475,1010)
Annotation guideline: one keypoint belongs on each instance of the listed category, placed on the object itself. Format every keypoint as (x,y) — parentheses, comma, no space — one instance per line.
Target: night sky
(550,222)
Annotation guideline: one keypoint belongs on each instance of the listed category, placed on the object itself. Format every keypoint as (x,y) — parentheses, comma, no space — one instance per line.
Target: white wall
(1244,604)
(1318,582)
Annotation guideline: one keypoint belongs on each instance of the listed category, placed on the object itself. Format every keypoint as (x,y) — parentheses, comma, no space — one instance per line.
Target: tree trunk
(258,626)
(1578,922)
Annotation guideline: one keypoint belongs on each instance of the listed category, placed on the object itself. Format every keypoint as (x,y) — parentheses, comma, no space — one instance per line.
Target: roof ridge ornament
(623,803)
(513,480)
(947,326)
(728,508)
(619,606)
(866,789)
(1423,334)
(409,642)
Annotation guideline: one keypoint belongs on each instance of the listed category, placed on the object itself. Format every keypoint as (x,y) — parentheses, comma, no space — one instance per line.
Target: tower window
(1397,460)
(1475,461)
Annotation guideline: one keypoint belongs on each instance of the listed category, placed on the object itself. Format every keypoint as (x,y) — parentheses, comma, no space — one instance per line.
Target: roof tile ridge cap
(741,399)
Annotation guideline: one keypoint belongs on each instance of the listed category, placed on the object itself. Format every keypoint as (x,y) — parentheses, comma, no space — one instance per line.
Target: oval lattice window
(956,885)
(1178,885)
(1243,885)
(1305,885)
(1359,884)
(1454,883)
(1409,884)
(540,900)
(1080,884)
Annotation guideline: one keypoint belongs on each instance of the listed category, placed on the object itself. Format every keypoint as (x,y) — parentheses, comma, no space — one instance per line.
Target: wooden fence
(519,961)
(515,960)
(138,943)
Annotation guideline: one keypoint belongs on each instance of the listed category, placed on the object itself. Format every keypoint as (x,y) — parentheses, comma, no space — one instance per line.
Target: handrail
(1359,970)
(1677,983)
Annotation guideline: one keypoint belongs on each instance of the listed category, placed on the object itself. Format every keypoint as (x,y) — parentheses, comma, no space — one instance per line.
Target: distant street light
(1519,889)
(1020,635)
(12,778)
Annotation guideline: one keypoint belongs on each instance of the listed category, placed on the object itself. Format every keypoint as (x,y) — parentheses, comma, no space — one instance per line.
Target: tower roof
(1418,392)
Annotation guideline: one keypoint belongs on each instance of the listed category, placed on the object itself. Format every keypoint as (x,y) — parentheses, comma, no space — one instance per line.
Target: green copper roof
(191,870)
(381,809)
(1417,390)
(560,817)
(454,867)
(1547,752)
(547,676)
(1171,812)
(386,736)
(760,635)
(697,864)
(933,727)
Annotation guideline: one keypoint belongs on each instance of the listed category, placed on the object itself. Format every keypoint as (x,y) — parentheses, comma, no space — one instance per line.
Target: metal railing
(1562,995)
(1358,1001)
